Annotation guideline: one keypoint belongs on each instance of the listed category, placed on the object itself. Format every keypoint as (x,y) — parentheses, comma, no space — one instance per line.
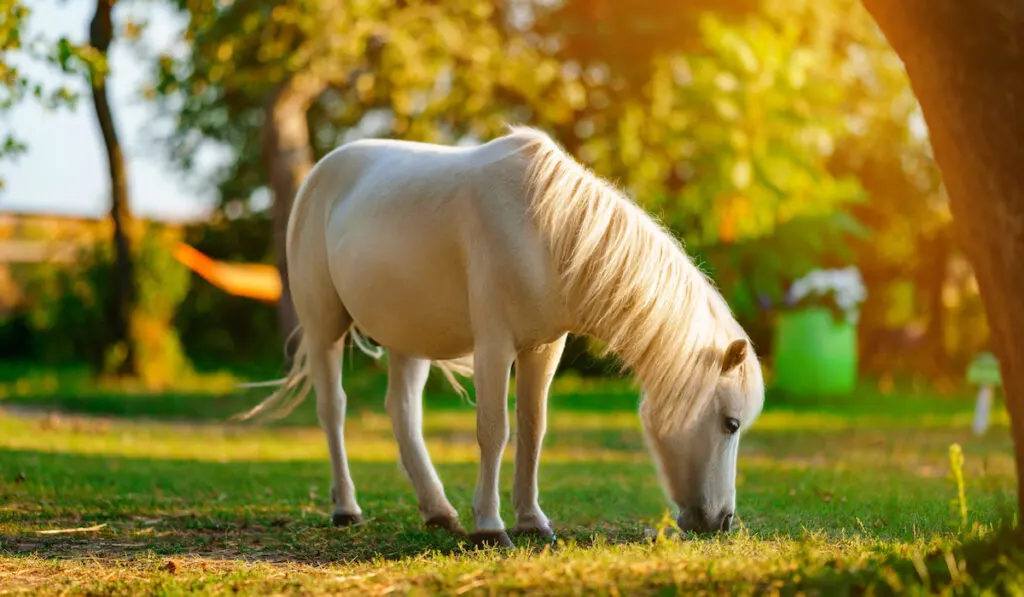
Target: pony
(470,259)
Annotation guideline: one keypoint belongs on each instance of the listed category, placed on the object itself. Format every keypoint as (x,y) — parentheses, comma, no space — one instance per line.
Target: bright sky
(65,168)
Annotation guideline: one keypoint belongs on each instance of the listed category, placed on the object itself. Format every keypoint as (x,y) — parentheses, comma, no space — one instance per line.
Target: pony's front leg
(491,371)
(534,371)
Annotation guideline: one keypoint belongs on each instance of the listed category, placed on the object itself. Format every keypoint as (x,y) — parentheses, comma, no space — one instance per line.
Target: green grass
(836,497)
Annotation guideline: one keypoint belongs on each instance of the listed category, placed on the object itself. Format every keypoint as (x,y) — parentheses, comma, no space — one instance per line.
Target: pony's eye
(732,425)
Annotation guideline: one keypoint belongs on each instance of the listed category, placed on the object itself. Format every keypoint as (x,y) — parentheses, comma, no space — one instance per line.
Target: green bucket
(814,354)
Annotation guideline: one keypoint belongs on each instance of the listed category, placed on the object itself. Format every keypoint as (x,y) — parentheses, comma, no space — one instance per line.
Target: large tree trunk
(965,61)
(288,158)
(122,295)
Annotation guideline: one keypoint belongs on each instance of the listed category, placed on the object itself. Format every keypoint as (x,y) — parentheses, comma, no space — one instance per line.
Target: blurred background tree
(92,311)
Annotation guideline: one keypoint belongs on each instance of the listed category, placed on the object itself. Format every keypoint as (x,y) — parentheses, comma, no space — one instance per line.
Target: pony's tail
(293,388)
(462,366)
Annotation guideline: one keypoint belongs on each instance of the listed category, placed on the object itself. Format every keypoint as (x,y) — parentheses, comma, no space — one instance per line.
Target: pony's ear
(735,354)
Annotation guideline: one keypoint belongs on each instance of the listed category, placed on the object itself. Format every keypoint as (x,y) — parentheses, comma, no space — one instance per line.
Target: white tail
(294,387)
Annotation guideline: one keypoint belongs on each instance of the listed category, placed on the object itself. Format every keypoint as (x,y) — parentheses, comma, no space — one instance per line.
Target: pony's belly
(413,302)
(410,327)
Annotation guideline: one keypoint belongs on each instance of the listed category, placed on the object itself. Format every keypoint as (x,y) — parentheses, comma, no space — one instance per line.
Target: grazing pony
(471,259)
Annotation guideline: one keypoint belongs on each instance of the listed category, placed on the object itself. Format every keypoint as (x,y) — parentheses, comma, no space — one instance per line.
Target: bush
(70,319)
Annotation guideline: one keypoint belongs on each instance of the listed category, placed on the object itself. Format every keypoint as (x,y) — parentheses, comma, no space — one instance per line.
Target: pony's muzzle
(698,520)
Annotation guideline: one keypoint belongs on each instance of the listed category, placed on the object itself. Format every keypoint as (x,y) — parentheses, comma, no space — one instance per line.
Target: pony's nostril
(726,522)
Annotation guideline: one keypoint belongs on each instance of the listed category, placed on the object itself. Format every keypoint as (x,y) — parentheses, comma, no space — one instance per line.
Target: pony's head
(696,459)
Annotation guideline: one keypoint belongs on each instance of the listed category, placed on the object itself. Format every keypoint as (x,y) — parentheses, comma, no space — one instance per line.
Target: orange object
(251,280)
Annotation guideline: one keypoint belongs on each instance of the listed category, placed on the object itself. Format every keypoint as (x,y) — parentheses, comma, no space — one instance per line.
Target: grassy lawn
(837,498)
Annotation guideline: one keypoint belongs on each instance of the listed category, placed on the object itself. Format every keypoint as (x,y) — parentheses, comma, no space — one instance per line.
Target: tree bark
(123,293)
(966,67)
(289,158)
(937,250)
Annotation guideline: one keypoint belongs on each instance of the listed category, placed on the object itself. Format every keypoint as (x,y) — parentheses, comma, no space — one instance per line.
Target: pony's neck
(627,281)
(665,327)
(651,307)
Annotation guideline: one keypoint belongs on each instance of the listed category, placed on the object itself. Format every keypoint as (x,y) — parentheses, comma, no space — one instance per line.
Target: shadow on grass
(281,509)
(209,407)
(991,565)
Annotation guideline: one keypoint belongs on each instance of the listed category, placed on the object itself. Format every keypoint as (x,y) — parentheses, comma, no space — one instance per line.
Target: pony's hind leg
(534,371)
(325,370)
(406,379)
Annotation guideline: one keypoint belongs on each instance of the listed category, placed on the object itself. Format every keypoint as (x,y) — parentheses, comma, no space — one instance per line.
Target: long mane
(633,286)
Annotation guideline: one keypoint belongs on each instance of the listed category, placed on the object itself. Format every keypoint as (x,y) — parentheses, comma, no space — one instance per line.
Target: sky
(64,170)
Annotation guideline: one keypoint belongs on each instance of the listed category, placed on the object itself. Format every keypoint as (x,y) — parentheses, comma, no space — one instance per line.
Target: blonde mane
(633,286)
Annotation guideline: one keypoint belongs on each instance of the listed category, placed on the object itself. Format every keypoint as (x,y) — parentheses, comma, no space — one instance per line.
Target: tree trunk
(288,158)
(936,248)
(966,67)
(123,294)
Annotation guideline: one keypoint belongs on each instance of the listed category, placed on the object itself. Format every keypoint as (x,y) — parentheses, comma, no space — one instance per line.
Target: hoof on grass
(484,539)
(446,523)
(346,520)
(544,533)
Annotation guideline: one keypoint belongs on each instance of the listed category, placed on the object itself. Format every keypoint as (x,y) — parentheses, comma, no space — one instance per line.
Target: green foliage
(70,316)
(731,145)
(162,283)
(13,18)
(752,121)
(419,70)
(624,36)
(76,59)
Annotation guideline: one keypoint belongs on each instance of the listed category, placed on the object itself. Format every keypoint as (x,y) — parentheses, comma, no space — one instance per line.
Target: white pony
(475,258)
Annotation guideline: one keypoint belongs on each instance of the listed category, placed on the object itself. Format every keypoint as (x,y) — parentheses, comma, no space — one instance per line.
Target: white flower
(846,283)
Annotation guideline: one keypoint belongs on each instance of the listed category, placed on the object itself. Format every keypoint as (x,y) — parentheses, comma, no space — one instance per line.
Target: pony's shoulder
(525,136)
(527,133)
(513,150)
(518,137)
(396,144)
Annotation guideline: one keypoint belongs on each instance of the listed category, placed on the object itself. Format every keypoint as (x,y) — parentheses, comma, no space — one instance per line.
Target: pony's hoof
(486,539)
(544,533)
(346,520)
(446,523)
